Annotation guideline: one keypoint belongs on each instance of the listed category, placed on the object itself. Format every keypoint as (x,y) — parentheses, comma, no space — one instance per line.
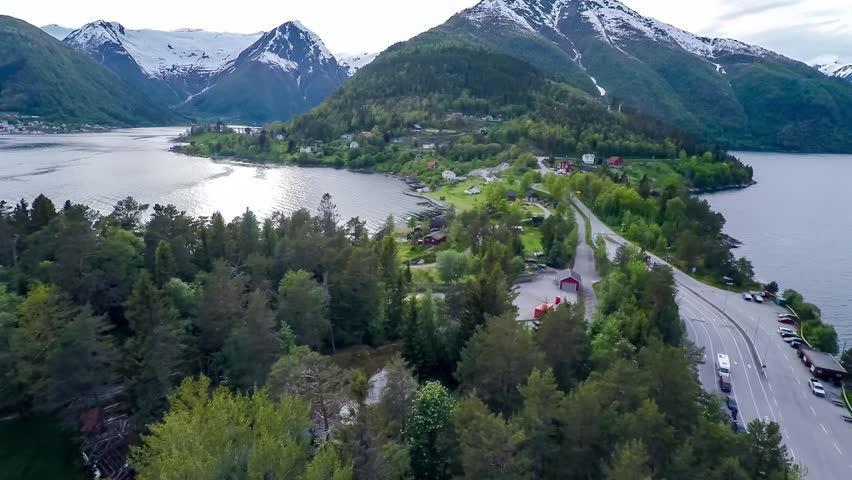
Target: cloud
(759,8)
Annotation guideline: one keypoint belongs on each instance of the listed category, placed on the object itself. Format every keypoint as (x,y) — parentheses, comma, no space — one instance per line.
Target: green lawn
(37,447)
(531,238)
(455,196)
(660,172)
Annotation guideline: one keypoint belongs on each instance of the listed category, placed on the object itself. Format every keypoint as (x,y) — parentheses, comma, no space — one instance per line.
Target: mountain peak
(287,46)
(92,35)
(354,62)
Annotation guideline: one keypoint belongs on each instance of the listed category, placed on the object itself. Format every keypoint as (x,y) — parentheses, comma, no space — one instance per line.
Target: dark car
(725,383)
(732,406)
(737,427)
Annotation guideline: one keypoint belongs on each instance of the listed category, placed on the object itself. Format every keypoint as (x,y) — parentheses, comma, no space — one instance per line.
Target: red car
(787,320)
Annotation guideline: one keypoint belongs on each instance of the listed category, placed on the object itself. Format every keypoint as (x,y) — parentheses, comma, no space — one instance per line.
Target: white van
(723,365)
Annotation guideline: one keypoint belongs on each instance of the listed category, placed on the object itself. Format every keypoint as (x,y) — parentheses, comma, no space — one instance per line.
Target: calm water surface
(100,169)
(796,227)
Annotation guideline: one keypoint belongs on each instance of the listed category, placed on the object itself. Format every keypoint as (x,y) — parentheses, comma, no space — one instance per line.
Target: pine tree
(156,351)
(164,264)
(216,237)
(253,346)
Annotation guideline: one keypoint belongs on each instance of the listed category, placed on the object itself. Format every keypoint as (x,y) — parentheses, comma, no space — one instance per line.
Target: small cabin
(569,280)
(511,195)
(435,238)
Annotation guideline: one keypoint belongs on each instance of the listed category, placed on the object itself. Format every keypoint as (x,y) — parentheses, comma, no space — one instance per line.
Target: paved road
(721,322)
(584,264)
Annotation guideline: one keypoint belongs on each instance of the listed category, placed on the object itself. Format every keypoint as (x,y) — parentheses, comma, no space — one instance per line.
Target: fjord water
(101,168)
(796,227)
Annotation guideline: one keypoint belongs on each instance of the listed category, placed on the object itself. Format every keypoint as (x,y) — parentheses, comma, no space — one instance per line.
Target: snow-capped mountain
(183,60)
(355,62)
(285,72)
(611,51)
(57,31)
(836,69)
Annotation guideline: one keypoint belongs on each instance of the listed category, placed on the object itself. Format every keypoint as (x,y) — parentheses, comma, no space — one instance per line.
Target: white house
(428,146)
(306,149)
(449,175)
(473,191)
(347,136)
(490,179)
(354,145)
(589,159)
(279,137)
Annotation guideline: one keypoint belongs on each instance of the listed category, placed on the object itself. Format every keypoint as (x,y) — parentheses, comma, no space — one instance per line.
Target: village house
(354,145)
(347,136)
(589,159)
(428,146)
(473,191)
(438,223)
(435,238)
(431,164)
(566,167)
(306,149)
(449,175)
(367,134)
(432,130)
(614,162)
(279,137)
(531,196)
(511,196)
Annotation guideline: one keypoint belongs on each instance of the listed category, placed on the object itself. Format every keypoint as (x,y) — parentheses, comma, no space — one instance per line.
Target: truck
(723,365)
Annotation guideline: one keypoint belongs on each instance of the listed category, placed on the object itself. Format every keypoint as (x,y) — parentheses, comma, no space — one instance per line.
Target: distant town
(12,123)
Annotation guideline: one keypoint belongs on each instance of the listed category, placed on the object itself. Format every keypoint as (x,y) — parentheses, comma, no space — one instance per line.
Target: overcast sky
(809,30)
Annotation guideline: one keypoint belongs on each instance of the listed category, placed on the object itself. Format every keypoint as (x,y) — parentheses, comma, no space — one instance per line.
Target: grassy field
(455,196)
(660,172)
(35,448)
(531,238)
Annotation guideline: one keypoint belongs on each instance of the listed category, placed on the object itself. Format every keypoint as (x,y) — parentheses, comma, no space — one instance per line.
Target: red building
(435,239)
(566,166)
(570,279)
(614,162)
(542,310)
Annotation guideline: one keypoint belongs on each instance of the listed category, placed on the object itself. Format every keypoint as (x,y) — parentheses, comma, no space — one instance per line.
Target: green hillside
(41,76)
(423,80)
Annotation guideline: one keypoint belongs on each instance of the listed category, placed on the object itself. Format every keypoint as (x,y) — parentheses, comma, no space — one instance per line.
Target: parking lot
(541,289)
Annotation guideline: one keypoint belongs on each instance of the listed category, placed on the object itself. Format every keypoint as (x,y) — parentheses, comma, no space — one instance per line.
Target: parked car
(787,320)
(816,387)
(737,427)
(788,315)
(746,296)
(793,338)
(796,343)
(757,298)
(732,406)
(785,332)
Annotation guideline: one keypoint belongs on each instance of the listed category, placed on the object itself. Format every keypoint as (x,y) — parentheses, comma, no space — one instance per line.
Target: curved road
(816,437)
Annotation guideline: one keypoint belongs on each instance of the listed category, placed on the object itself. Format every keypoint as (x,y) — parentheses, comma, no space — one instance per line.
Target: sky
(814,31)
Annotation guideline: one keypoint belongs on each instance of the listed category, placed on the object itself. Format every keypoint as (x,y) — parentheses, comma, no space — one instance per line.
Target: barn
(569,280)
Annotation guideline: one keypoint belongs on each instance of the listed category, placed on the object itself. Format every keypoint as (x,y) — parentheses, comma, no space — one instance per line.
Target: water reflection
(100,169)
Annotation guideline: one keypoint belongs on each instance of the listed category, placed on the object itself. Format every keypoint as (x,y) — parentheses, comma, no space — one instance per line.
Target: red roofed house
(570,278)
(431,164)
(566,166)
(615,162)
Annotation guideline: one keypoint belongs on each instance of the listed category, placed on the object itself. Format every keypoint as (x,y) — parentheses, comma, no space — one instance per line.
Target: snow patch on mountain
(836,69)
(488,12)
(353,63)
(613,21)
(600,89)
(57,31)
(163,54)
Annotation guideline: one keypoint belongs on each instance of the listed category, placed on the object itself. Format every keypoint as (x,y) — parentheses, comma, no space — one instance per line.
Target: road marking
(798,381)
(838,450)
(823,428)
(776,401)
(814,412)
(771,391)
